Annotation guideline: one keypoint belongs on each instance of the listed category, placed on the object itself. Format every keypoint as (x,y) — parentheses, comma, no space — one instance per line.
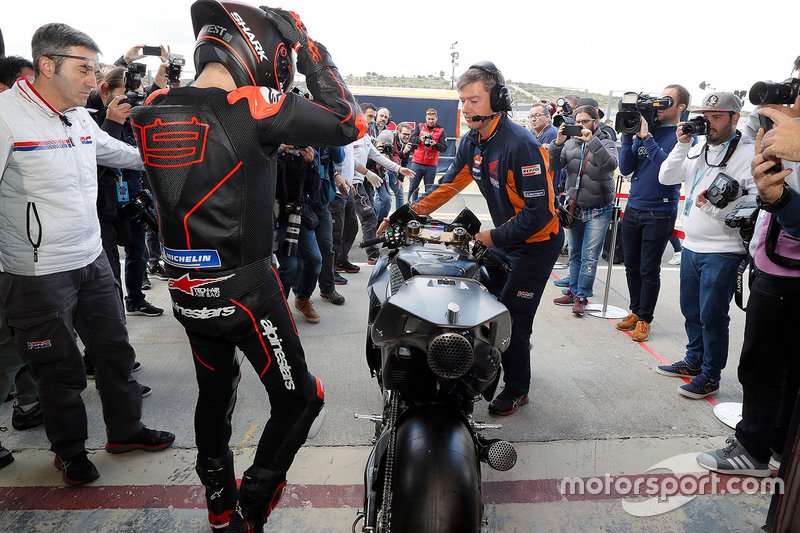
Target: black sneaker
(136,366)
(31,418)
(5,456)
(700,387)
(679,369)
(347,266)
(506,403)
(338,279)
(148,440)
(146,285)
(143,309)
(372,259)
(76,470)
(333,297)
(146,391)
(733,459)
(158,272)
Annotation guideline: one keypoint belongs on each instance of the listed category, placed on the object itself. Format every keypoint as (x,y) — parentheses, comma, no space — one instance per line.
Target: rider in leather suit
(209,150)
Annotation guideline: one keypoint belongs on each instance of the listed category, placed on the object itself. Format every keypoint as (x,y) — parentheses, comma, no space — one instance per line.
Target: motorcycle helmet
(242,38)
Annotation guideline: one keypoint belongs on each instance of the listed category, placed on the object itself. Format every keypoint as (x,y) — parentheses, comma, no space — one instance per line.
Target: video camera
(133,80)
(566,114)
(174,68)
(769,92)
(634,106)
(696,126)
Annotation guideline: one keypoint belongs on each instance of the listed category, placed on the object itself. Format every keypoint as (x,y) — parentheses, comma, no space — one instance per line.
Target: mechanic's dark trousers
(520,291)
(14,370)
(45,312)
(259,322)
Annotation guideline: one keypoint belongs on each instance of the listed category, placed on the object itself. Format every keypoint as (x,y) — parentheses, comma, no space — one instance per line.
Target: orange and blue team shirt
(512,172)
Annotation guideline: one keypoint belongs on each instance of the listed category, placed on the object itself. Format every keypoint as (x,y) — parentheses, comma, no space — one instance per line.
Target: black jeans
(644,237)
(769,368)
(521,291)
(135,264)
(324,234)
(345,226)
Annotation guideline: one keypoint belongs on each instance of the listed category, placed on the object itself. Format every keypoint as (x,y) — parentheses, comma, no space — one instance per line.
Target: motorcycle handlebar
(370,242)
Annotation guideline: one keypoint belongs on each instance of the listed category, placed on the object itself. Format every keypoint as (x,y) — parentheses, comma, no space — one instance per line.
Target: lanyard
(699,177)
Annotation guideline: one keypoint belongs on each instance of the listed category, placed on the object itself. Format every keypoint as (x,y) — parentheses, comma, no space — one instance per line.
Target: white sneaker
(676,259)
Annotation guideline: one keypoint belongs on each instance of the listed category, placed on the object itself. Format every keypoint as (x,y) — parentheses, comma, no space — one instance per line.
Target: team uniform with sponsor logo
(511,171)
(56,279)
(210,158)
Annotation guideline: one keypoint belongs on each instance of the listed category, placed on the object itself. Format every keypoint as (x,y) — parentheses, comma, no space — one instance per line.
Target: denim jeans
(585,240)
(383,201)
(324,236)
(299,272)
(708,282)
(345,226)
(424,172)
(396,187)
(644,237)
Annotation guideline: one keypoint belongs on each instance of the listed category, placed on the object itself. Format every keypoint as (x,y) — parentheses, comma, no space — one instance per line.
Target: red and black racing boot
(219,479)
(259,493)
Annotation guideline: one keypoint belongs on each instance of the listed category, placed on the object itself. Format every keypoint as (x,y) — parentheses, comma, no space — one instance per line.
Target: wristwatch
(648,135)
(780,203)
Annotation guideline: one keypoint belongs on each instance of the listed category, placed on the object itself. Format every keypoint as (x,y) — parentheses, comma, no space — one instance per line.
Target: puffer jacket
(597,182)
(48,186)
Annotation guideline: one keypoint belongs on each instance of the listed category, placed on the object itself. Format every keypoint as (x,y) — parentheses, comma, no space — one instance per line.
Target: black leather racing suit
(210,158)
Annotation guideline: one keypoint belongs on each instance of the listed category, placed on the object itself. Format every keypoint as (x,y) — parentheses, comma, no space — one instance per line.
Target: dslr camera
(133,80)
(427,140)
(566,114)
(635,106)
(387,149)
(769,92)
(744,216)
(139,209)
(174,68)
(696,126)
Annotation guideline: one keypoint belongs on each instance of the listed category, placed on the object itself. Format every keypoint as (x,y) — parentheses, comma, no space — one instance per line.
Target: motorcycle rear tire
(437,477)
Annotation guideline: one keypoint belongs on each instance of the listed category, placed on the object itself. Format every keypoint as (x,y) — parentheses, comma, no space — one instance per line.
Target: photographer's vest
(424,155)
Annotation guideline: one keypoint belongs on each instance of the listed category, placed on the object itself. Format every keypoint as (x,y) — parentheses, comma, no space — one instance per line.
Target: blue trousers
(708,282)
(585,245)
(424,172)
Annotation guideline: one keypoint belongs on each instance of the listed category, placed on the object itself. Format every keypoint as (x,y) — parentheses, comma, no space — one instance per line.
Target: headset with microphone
(500,97)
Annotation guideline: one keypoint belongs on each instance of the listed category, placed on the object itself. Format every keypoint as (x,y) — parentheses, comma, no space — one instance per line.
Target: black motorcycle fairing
(435,260)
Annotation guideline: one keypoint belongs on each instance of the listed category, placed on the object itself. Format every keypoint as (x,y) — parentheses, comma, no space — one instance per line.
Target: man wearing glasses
(541,124)
(56,280)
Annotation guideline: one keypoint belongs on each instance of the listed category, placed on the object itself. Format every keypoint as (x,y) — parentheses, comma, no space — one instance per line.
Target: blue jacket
(548,135)
(644,159)
(512,172)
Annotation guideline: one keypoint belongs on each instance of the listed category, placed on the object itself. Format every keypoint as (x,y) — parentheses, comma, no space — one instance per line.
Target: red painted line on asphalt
(585,488)
(650,350)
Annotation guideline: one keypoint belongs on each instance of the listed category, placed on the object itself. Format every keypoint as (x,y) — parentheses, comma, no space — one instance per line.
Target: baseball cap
(591,102)
(721,101)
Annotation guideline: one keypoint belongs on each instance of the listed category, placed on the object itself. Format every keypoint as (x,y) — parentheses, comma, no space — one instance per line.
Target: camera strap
(733,142)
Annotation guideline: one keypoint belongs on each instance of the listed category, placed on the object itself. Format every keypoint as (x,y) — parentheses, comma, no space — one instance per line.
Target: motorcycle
(434,341)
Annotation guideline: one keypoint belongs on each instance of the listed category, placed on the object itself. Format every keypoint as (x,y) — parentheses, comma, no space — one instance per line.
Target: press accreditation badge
(122,192)
(688,207)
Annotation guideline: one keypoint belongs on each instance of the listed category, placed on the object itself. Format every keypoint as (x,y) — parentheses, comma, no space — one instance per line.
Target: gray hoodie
(597,182)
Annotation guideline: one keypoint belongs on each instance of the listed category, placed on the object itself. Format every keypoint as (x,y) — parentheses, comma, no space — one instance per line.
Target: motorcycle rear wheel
(437,477)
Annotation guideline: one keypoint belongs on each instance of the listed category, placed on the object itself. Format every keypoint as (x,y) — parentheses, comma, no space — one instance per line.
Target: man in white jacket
(56,280)
(712,252)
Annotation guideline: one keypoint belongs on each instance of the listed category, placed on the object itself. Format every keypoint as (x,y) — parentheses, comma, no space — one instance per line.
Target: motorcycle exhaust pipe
(499,454)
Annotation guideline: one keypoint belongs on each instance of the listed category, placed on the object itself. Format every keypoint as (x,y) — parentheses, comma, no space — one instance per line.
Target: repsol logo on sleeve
(531,170)
(271,333)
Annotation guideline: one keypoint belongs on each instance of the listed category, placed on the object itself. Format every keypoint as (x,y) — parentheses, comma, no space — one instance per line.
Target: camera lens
(767,92)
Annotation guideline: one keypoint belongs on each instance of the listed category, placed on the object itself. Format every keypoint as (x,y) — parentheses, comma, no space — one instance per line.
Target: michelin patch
(531,170)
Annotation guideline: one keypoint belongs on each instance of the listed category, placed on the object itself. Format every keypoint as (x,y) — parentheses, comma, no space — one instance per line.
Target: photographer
(768,366)
(385,143)
(403,148)
(590,161)
(651,210)
(117,187)
(298,181)
(428,139)
(717,175)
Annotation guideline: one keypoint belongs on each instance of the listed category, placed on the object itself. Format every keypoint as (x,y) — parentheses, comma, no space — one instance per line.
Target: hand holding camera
(118,109)
(770,183)
(783,140)
(427,140)
(683,136)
